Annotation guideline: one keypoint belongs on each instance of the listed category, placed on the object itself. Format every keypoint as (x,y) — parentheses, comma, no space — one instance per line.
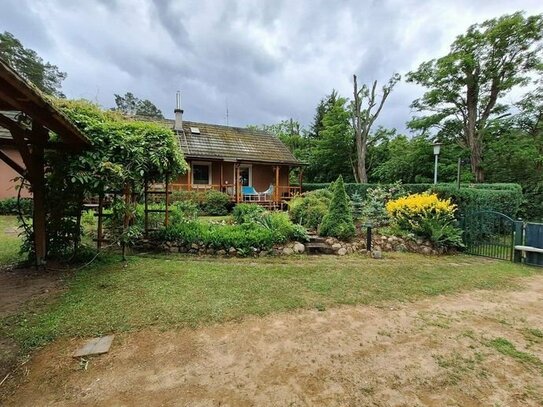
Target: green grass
(172,291)
(505,347)
(9,242)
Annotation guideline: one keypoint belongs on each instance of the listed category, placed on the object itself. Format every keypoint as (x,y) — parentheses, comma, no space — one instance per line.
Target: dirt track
(433,352)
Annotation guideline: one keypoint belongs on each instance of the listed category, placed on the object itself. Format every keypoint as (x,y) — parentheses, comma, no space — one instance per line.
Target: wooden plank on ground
(95,346)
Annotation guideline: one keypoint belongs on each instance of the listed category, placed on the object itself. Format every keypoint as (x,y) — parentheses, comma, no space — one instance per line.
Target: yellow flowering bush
(427,216)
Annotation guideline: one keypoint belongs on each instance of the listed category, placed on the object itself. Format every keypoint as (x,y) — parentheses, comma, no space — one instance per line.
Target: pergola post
(37,183)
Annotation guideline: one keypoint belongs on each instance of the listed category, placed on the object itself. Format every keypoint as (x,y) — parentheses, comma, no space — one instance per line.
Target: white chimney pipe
(178,125)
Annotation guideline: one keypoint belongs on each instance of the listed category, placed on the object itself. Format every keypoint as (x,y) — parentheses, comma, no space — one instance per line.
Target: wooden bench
(529,249)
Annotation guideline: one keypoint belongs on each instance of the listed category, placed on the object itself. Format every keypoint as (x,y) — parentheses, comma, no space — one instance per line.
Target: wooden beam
(277,193)
(37,183)
(16,167)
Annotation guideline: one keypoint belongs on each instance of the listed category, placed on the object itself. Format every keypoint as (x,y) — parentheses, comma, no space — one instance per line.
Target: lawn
(175,291)
(9,241)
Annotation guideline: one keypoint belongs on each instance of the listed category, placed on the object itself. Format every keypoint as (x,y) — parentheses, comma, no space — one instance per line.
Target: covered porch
(243,181)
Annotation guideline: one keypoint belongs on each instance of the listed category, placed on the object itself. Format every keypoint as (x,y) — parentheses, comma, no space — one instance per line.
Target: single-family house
(247,164)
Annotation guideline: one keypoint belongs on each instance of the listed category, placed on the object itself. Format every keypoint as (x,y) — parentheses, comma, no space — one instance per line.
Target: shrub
(427,216)
(338,222)
(281,224)
(9,206)
(211,202)
(470,199)
(243,238)
(309,208)
(247,213)
(215,203)
(374,209)
(358,205)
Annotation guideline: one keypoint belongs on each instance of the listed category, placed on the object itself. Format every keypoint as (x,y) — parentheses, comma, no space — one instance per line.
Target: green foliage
(211,203)
(373,209)
(243,238)
(130,105)
(215,203)
(427,216)
(507,201)
(9,206)
(338,222)
(358,205)
(45,76)
(310,208)
(335,145)
(280,223)
(123,155)
(247,213)
(466,86)
(501,197)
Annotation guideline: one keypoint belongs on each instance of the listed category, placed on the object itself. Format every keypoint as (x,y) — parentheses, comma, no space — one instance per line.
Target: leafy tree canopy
(130,105)
(465,86)
(45,76)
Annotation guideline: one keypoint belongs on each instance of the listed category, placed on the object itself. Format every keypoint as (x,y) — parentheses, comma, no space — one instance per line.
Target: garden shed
(27,120)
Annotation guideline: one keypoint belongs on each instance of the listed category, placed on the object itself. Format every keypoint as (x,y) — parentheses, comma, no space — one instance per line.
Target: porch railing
(283,192)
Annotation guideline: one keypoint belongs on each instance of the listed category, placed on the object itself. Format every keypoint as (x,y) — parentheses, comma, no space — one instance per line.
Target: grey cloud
(268,60)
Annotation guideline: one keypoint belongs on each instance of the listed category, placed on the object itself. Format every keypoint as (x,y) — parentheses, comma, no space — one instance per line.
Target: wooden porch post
(189,177)
(301,178)
(238,183)
(277,193)
(222,177)
(38,194)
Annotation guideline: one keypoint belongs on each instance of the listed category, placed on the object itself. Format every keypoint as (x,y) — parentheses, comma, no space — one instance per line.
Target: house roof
(18,95)
(216,142)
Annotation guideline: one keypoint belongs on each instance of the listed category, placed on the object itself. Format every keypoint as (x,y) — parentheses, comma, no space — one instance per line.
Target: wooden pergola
(30,135)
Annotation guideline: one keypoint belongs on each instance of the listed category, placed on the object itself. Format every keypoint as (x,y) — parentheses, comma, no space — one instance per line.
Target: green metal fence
(491,234)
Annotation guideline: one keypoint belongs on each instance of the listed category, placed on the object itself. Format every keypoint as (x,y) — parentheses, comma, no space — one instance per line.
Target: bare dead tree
(363,115)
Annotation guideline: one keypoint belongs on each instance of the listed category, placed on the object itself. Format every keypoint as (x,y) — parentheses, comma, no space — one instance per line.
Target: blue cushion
(248,191)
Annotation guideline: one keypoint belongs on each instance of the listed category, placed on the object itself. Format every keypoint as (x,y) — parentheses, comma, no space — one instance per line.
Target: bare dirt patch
(18,287)
(433,352)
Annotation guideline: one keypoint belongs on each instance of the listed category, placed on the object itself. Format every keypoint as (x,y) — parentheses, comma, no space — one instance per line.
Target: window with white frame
(201,173)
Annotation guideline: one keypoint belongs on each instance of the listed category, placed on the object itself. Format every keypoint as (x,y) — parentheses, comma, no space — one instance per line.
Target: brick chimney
(178,125)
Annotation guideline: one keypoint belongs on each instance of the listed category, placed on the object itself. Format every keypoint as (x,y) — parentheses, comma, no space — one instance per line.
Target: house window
(201,174)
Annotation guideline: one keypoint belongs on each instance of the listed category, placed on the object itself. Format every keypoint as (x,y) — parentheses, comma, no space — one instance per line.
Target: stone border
(380,243)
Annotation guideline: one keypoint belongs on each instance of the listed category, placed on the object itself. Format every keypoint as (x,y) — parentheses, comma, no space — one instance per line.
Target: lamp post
(437,148)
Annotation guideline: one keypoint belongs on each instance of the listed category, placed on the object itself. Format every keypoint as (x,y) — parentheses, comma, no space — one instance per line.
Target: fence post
(519,238)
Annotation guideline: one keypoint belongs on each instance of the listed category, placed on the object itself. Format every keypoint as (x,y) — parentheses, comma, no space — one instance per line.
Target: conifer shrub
(338,222)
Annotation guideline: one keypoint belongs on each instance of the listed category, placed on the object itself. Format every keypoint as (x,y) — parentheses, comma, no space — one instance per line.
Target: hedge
(500,197)
(9,206)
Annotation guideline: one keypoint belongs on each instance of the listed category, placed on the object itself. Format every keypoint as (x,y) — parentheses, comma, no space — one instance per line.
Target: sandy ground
(17,288)
(433,352)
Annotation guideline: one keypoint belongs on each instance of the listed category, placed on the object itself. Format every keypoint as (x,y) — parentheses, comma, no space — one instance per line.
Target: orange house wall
(7,174)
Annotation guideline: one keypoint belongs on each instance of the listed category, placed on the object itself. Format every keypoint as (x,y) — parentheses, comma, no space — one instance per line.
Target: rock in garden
(299,247)
(342,251)
(221,252)
(377,254)
(288,251)
(426,250)
(336,246)
(232,250)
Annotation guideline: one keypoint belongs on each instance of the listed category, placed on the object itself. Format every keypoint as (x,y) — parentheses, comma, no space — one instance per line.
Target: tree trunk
(473,136)
(361,147)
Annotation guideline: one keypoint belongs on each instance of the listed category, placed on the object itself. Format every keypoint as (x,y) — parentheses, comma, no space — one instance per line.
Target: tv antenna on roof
(227,111)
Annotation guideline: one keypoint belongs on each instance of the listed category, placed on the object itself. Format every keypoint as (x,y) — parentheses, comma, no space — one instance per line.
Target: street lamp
(437,148)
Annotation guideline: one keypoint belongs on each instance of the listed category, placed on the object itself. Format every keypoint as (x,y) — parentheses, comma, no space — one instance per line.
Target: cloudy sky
(268,60)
